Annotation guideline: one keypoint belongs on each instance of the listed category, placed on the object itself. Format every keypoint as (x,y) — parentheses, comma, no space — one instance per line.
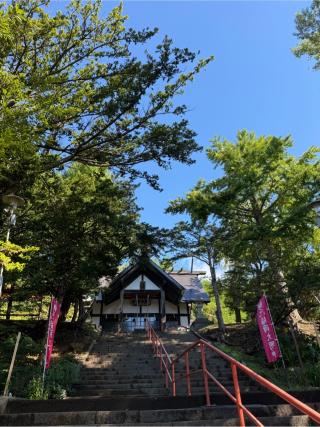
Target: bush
(313,374)
(26,364)
(21,378)
(308,347)
(35,390)
(27,380)
(60,377)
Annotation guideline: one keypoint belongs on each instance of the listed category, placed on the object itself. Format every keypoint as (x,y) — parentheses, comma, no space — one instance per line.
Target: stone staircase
(121,385)
(122,365)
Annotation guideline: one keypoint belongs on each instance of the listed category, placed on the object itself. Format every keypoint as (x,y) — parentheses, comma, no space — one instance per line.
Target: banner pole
(296,343)
(6,388)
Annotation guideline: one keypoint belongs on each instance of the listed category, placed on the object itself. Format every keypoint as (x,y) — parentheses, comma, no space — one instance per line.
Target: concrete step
(215,416)
(296,420)
(134,384)
(121,394)
(91,364)
(116,370)
(121,372)
(108,379)
(155,365)
(115,386)
(258,399)
(136,368)
(125,378)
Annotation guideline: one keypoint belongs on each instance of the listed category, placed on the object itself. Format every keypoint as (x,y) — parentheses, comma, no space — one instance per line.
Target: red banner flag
(267,331)
(53,320)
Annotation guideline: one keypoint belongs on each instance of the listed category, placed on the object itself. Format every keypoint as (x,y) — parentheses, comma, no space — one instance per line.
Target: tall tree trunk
(81,310)
(65,306)
(75,311)
(294,314)
(238,315)
(10,302)
(214,284)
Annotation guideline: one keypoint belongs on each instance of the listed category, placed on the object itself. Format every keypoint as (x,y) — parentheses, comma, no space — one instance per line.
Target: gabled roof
(145,266)
(178,286)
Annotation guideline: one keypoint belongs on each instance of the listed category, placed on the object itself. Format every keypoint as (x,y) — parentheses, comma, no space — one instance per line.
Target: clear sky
(255,81)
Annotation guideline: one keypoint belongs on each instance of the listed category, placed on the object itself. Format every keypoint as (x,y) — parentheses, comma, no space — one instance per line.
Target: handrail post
(161,367)
(166,369)
(173,376)
(237,394)
(204,372)
(186,358)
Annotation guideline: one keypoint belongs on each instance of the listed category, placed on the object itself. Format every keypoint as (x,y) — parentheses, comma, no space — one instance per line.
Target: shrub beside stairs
(121,384)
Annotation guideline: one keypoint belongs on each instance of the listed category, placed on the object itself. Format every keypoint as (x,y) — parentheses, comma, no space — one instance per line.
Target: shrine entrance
(138,322)
(137,307)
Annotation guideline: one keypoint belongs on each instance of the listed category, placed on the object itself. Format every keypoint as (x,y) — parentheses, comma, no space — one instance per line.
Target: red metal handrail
(167,365)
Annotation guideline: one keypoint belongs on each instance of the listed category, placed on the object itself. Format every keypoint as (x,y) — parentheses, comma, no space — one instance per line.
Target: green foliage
(58,381)
(198,239)
(292,377)
(308,348)
(150,241)
(312,373)
(210,309)
(308,32)
(35,390)
(262,202)
(28,348)
(13,256)
(60,377)
(85,223)
(27,374)
(72,89)
(26,365)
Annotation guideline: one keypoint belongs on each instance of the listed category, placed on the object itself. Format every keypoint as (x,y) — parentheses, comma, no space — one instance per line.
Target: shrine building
(145,291)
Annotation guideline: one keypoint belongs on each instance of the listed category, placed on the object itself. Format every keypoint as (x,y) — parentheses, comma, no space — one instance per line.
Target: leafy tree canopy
(262,202)
(13,257)
(84,223)
(201,240)
(72,89)
(308,31)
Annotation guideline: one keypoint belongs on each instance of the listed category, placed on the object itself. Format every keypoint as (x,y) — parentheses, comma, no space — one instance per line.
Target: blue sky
(255,81)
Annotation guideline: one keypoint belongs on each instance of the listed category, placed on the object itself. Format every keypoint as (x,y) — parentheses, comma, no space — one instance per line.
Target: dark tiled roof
(195,295)
(193,289)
